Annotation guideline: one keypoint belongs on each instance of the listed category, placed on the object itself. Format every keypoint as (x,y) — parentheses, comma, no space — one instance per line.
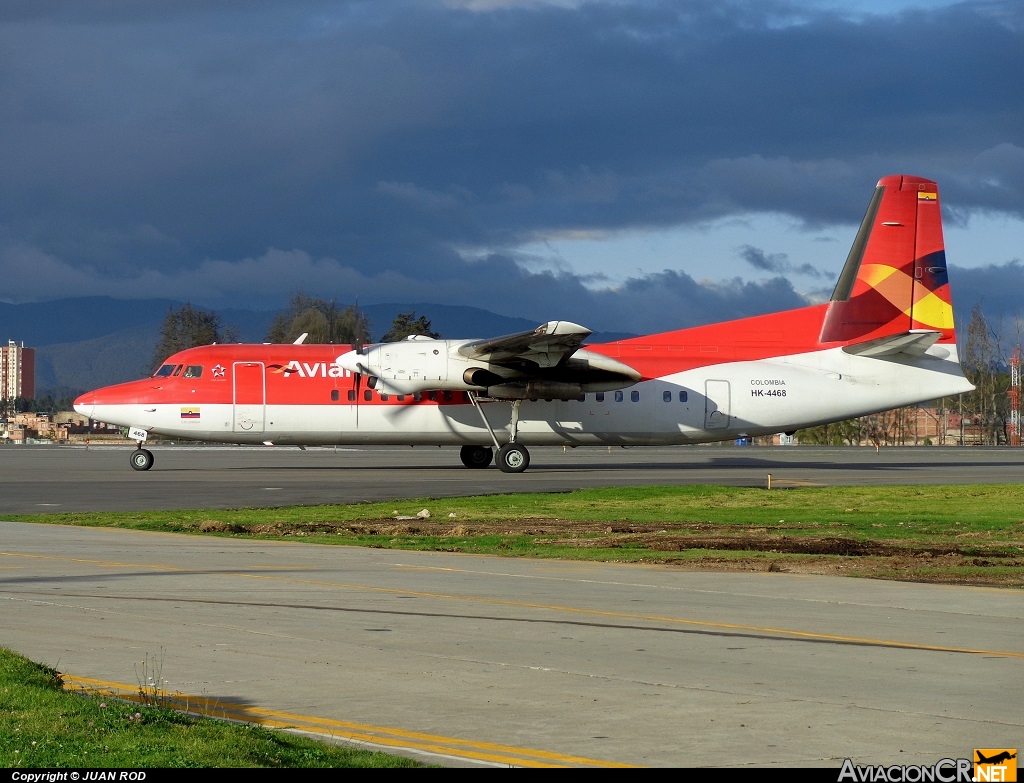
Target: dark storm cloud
(997,289)
(776,263)
(232,151)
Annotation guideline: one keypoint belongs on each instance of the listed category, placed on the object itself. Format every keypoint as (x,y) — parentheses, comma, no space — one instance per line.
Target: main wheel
(513,458)
(476,456)
(141,459)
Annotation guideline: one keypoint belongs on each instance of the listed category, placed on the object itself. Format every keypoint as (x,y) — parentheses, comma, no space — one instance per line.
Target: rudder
(895,279)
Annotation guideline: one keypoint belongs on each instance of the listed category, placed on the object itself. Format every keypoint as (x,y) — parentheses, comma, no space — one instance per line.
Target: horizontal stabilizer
(911,343)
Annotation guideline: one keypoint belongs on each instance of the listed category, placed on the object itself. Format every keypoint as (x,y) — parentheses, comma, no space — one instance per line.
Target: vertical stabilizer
(895,278)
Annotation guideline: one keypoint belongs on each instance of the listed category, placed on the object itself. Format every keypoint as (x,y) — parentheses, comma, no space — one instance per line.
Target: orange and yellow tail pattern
(895,278)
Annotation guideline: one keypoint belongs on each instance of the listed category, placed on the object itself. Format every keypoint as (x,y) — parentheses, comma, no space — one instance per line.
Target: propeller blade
(357,378)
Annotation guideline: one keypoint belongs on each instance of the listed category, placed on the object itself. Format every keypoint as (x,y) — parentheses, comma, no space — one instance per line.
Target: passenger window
(400,398)
(447,396)
(351,395)
(634,396)
(666,396)
(383,396)
(194,371)
(682,396)
(335,395)
(368,395)
(417,397)
(599,396)
(581,398)
(618,396)
(432,396)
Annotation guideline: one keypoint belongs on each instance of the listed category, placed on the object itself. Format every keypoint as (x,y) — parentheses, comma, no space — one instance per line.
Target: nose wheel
(141,459)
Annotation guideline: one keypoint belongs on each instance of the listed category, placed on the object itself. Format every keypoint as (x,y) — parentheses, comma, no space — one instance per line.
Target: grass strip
(968,534)
(42,725)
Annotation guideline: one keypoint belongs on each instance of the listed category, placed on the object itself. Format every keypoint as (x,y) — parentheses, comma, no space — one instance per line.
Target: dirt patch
(702,546)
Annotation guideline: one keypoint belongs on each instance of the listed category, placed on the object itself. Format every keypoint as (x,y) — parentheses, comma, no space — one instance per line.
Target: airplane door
(249,396)
(716,405)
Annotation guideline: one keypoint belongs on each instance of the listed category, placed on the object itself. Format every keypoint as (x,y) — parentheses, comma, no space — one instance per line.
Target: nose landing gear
(141,459)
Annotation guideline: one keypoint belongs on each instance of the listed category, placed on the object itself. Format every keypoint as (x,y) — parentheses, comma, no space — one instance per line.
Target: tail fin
(895,280)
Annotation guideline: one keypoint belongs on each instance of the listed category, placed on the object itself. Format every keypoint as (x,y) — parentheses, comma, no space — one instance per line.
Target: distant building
(17,371)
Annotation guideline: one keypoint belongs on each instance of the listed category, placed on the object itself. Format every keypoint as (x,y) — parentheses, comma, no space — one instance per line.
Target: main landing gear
(512,457)
(141,459)
(476,456)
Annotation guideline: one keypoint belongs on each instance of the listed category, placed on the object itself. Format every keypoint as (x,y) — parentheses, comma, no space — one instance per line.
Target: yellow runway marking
(385,736)
(561,609)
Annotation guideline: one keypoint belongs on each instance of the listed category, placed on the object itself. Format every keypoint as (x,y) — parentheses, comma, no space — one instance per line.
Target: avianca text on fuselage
(314,370)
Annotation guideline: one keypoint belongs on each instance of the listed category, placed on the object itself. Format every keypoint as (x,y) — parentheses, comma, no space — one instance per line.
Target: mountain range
(87,342)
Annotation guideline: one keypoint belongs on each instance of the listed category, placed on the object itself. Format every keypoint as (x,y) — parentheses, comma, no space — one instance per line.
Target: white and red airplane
(886,339)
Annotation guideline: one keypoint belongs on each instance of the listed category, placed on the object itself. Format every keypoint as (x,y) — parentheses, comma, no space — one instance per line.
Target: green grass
(971,534)
(43,725)
(904,513)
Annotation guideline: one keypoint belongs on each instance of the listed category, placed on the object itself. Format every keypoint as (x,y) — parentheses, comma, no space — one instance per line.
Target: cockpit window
(165,371)
(193,371)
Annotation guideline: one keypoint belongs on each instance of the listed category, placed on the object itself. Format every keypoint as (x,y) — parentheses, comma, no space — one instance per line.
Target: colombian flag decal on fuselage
(925,195)
(190,412)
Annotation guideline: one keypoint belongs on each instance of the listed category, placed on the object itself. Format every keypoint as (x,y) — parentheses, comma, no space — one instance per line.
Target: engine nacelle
(422,364)
(418,365)
(481,378)
(535,390)
(552,390)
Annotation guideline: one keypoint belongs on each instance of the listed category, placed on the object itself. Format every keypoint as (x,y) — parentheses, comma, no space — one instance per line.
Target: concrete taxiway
(487,660)
(40,479)
(483,660)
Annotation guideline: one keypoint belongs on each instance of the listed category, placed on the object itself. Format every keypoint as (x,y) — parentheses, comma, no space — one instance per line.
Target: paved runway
(509,662)
(39,479)
(524,662)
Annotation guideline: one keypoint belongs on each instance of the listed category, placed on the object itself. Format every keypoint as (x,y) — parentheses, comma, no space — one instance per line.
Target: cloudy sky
(632,165)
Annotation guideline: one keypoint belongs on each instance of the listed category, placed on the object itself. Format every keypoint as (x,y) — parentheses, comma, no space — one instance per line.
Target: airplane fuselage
(714,387)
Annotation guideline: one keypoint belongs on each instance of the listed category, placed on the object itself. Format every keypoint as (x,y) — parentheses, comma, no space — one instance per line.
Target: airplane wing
(545,362)
(548,345)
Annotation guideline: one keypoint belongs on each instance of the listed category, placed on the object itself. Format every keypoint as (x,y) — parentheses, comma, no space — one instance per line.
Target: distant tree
(981,362)
(406,324)
(839,433)
(187,327)
(9,406)
(321,319)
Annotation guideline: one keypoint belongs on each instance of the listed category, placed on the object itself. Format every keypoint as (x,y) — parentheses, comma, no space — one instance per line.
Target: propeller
(351,360)
(356,379)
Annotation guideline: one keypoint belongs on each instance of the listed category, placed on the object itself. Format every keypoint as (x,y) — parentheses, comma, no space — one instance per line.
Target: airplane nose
(85,405)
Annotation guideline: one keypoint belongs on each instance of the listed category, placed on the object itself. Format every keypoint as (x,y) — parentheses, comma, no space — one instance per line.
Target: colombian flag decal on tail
(191,412)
